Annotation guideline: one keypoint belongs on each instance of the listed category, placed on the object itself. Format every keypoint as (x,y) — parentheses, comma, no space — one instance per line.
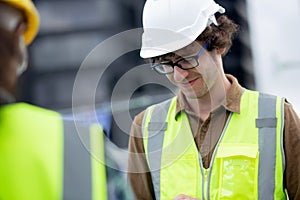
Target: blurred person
(214,139)
(42,155)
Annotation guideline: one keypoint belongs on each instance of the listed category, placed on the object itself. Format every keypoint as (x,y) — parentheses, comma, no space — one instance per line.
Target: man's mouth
(188,83)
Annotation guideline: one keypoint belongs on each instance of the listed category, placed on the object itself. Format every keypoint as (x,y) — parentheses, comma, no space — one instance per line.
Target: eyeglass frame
(173,64)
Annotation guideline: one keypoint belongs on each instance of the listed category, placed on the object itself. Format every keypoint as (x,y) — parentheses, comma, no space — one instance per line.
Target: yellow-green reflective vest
(42,157)
(247,163)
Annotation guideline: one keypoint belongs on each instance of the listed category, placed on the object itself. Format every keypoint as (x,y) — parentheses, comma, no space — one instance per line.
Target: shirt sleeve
(138,171)
(292,151)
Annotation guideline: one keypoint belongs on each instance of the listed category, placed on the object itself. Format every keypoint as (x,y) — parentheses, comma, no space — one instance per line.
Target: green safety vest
(42,157)
(247,163)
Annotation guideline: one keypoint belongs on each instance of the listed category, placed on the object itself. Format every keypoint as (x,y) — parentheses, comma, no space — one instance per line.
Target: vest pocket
(238,168)
(180,174)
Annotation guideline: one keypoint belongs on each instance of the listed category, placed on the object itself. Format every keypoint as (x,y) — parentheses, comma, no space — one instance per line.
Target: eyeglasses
(184,63)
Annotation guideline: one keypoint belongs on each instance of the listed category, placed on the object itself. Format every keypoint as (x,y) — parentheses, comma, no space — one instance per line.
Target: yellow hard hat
(32,16)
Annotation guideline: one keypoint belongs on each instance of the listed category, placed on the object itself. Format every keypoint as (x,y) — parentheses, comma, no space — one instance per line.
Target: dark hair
(220,36)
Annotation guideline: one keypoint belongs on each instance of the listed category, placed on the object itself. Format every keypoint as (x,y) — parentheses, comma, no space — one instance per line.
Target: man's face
(196,82)
(13,51)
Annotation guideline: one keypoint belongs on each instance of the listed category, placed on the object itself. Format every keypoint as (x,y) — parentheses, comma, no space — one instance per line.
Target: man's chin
(191,95)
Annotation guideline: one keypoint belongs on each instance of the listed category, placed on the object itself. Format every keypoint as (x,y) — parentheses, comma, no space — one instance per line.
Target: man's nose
(180,74)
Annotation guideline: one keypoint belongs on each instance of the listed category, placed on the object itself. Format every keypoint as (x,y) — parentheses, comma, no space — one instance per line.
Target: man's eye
(165,62)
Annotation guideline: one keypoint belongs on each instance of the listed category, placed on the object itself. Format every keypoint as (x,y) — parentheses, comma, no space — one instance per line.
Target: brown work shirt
(206,135)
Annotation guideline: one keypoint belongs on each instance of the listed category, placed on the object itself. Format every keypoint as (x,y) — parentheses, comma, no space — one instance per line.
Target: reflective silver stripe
(266,122)
(77,183)
(156,129)
(267,146)
(281,134)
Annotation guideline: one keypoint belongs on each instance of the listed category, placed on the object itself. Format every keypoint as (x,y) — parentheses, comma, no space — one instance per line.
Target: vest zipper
(204,176)
(205,179)
(207,172)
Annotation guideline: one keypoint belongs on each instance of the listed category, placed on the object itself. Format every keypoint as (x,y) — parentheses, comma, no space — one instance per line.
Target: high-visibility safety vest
(247,163)
(42,157)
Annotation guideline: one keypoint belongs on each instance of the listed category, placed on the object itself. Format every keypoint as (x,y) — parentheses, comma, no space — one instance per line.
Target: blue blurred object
(87,117)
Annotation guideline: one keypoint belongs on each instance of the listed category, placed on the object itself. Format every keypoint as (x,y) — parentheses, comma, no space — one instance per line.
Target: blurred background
(264,57)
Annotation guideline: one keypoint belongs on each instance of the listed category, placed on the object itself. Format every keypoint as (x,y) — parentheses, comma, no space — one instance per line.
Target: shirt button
(204,129)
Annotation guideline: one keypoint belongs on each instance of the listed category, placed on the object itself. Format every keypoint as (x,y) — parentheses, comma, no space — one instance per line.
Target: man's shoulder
(138,120)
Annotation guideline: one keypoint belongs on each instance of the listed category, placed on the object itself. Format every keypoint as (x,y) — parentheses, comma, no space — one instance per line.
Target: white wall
(275,40)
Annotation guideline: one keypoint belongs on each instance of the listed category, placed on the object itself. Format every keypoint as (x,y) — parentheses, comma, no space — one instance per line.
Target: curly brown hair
(221,36)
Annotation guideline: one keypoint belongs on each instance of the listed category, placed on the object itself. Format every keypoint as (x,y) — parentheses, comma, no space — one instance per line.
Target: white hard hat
(170,25)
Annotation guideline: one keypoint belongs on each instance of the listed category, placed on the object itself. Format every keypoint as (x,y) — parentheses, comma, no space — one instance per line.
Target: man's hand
(184,197)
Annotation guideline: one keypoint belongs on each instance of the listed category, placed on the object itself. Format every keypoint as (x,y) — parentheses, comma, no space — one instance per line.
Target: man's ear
(21,28)
(221,51)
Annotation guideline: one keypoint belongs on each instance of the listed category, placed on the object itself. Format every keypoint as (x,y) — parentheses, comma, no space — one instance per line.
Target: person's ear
(221,51)
(21,28)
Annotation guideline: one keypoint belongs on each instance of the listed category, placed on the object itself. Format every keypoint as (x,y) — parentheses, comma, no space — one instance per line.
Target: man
(215,139)
(43,156)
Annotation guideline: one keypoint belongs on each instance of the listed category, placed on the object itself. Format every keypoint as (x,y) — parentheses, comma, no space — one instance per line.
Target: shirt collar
(232,103)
